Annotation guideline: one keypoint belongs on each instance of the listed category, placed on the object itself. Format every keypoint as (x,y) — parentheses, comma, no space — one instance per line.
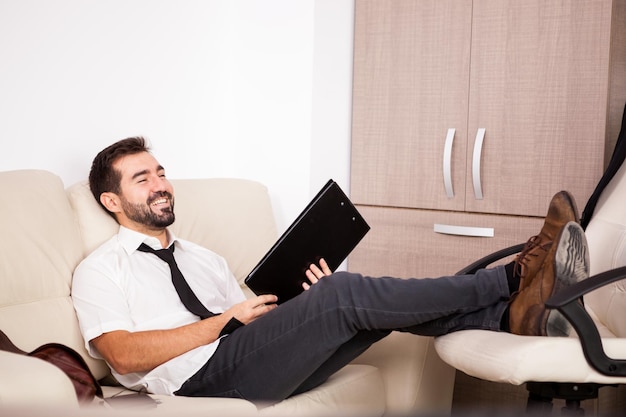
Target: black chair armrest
(491,258)
(574,292)
(566,301)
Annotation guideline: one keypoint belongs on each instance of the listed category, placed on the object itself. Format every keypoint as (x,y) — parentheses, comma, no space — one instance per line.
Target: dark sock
(513,281)
(512,278)
(504,322)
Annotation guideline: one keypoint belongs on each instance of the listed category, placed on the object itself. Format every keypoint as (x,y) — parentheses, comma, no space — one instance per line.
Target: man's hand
(252,308)
(315,273)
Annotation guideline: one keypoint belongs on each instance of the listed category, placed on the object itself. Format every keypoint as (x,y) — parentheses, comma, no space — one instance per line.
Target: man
(131,315)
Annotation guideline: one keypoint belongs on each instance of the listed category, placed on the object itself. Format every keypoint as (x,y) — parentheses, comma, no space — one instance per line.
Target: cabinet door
(402,242)
(538,85)
(411,68)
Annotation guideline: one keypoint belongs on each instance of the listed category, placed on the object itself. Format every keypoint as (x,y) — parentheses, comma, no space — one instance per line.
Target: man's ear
(111,202)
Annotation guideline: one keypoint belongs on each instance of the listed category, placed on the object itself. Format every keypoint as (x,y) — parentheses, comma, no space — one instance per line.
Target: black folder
(330,227)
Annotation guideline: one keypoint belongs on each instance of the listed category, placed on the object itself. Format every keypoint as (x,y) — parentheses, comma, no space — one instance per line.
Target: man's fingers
(264,299)
(315,273)
(325,269)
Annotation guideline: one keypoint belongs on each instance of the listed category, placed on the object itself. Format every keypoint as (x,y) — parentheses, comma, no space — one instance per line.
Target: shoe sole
(571,265)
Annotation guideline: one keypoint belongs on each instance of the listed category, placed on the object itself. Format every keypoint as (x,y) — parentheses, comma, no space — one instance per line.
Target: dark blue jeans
(298,345)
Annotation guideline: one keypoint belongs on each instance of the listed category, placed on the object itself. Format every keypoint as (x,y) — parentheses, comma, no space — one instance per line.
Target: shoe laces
(521,261)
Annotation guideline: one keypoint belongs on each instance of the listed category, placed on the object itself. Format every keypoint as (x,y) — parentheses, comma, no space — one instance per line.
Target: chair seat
(508,358)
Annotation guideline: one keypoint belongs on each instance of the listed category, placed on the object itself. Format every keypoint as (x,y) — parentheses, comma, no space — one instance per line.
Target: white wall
(254,89)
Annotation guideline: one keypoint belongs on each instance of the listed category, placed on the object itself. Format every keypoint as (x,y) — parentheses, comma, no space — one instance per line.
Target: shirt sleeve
(234,292)
(99,301)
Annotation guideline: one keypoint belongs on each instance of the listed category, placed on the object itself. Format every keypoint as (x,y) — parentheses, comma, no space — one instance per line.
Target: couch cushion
(95,225)
(40,248)
(179,406)
(41,245)
(353,390)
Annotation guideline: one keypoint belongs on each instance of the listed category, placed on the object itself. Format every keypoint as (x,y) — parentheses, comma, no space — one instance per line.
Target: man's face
(146,196)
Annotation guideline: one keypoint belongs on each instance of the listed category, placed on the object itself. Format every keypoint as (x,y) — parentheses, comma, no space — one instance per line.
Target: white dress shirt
(119,288)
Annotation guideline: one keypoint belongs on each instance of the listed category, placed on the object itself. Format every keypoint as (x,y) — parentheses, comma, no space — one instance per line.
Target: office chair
(570,368)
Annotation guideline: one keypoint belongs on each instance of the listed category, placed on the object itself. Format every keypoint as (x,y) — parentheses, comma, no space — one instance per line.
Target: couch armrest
(33,383)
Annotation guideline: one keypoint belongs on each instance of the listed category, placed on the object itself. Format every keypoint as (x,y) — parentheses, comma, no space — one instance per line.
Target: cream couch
(48,229)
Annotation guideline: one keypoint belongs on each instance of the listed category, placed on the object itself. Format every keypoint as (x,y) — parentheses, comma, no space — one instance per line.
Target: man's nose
(159,183)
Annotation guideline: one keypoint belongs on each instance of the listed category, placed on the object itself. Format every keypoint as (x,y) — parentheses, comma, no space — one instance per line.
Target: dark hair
(102,176)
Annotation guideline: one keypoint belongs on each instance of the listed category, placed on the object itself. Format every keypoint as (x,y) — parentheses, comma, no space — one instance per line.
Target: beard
(143,214)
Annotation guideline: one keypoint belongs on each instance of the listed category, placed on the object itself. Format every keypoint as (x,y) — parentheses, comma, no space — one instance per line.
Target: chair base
(541,394)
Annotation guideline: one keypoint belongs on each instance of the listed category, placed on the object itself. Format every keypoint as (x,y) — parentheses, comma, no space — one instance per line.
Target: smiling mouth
(159,201)
(162,201)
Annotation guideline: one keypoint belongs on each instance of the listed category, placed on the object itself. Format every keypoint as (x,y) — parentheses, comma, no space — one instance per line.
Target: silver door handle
(478,148)
(447,163)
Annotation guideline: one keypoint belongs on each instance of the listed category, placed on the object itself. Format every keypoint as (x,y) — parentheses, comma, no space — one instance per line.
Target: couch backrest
(48,230)
(606,235)
(39,249)
(232,217)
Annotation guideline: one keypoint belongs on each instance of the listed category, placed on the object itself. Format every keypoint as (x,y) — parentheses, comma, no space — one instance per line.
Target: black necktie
(185,293)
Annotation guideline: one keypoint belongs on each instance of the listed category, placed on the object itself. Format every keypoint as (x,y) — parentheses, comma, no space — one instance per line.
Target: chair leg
(540,395)
(538,405)
(572,408)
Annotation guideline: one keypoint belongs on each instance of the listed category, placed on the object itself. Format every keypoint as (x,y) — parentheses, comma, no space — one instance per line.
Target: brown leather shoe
(562,209)
(566,263)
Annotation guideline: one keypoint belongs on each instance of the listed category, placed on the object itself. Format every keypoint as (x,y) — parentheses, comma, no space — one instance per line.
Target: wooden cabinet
(474,114)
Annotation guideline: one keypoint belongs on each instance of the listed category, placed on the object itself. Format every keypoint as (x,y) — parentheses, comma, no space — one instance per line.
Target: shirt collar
(130,239)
